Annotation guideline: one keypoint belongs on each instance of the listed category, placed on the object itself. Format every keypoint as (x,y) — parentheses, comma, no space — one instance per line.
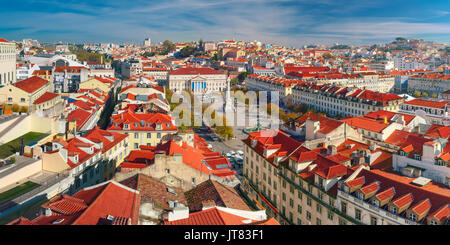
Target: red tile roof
(366,124)
(155,191)
(399,137)
(150,121)
(407,193)
(47,96)
(414,144)
(109,139)
(70,69)
(195,71)
(93,205)
(387,194)
(442,213)
(438,131)
(220,194)
(272,137)
(215,216)
(80,116)
(422,207)
(356,182)
(380,115)
(21,220)
(31,84)
(428,103)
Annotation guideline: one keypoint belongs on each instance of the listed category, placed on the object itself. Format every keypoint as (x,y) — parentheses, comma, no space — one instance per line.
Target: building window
(346,189)
(318,221)
(344,208)
(299,195)
(373,220)
(283,196)
(299,221)
(167,171)
(433,222)
(158,135)
(308,215)
(291,202)
(358,214)
(361,195)
(412,216)
(319,208)
(393,209)
(320,195)
(149,135)
(331,202)
(375,202)
(308,201)
(330,215)
(136,145)
(299,209)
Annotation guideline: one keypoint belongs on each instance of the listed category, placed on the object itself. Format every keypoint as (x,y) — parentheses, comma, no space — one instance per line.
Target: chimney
(430,150)
(179,213)
(48,212)
(331,150)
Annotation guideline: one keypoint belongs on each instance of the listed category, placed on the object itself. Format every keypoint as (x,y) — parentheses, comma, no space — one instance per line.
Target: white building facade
(7,62)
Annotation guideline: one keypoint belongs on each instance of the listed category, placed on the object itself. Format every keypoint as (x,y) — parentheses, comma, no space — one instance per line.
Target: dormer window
(346,189)
(361,195)
(375,202)
(126,126)
(168,125)
(412,216)
(402,153)
(439,162)
(136,125)
(393,209)
(158,126)
(417,157)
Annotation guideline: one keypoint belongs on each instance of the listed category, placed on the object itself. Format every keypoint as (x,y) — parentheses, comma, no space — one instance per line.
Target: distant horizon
(140,43)
(285,22)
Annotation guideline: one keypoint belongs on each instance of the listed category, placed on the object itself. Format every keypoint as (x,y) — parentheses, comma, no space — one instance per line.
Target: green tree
(147,54)
(416,94)
(24,109)
(15,108)
(167,47)
(241,77)
(327,56)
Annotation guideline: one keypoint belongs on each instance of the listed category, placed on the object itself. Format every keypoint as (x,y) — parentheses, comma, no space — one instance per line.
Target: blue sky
(287,22)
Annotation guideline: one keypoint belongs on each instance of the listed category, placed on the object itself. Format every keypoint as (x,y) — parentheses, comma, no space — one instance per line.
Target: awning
(259,204)
(268,203)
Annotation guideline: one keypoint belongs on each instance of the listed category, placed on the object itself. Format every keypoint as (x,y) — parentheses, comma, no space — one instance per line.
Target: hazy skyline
(290,23)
